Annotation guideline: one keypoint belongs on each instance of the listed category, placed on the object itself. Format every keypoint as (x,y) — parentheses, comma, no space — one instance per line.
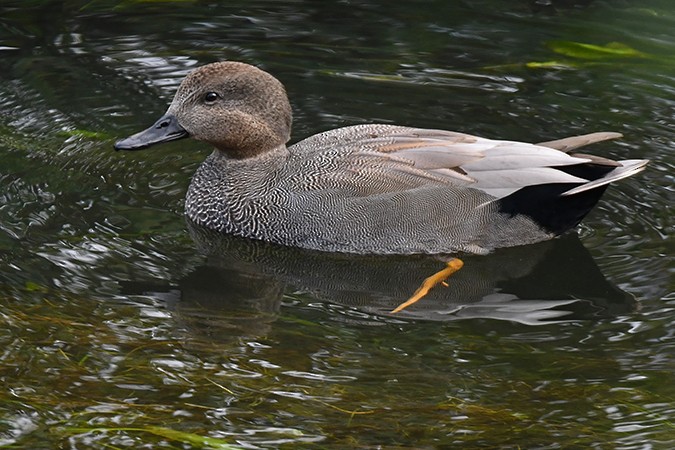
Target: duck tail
(559,207)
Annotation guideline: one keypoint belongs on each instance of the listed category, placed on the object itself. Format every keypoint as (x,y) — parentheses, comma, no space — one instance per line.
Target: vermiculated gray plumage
(370,188)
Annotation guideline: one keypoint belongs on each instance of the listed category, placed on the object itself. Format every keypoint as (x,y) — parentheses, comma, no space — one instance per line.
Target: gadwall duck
(381,189)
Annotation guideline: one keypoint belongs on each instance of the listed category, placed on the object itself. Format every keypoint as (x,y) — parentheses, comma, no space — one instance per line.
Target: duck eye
(211,97)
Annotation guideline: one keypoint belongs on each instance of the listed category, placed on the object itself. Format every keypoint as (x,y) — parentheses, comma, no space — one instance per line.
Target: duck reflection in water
(246,280)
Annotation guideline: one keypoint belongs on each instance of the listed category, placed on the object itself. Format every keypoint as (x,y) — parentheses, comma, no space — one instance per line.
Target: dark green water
(117,330)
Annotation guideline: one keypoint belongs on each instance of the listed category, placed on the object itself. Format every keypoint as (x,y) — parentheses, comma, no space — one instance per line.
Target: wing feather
(518,178)
(494,166)
(573,142)
(410,157)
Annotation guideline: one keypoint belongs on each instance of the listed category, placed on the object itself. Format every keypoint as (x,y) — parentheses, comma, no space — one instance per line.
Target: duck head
(239,109)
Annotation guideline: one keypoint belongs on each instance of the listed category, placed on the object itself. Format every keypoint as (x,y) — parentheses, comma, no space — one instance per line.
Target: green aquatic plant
(192,439)
(581,54)
(581,50)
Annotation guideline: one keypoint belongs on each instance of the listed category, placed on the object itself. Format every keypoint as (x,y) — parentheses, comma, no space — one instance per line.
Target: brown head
(239,109)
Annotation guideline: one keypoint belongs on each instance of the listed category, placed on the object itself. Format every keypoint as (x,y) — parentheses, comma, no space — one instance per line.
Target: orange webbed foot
(434,280)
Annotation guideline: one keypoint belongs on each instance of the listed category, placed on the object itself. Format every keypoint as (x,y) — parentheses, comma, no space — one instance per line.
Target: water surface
(124,327)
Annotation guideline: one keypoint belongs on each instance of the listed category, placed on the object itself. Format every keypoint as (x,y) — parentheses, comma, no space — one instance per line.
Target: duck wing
(496,167)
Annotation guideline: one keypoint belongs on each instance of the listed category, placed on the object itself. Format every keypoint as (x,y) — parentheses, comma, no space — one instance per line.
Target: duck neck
(263,159)
(223,184)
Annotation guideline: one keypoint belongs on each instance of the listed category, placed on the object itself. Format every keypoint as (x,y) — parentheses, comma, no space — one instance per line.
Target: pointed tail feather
(627,168)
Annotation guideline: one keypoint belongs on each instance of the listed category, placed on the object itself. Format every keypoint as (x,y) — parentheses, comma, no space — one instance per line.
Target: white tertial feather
(519,178)
(524,160)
